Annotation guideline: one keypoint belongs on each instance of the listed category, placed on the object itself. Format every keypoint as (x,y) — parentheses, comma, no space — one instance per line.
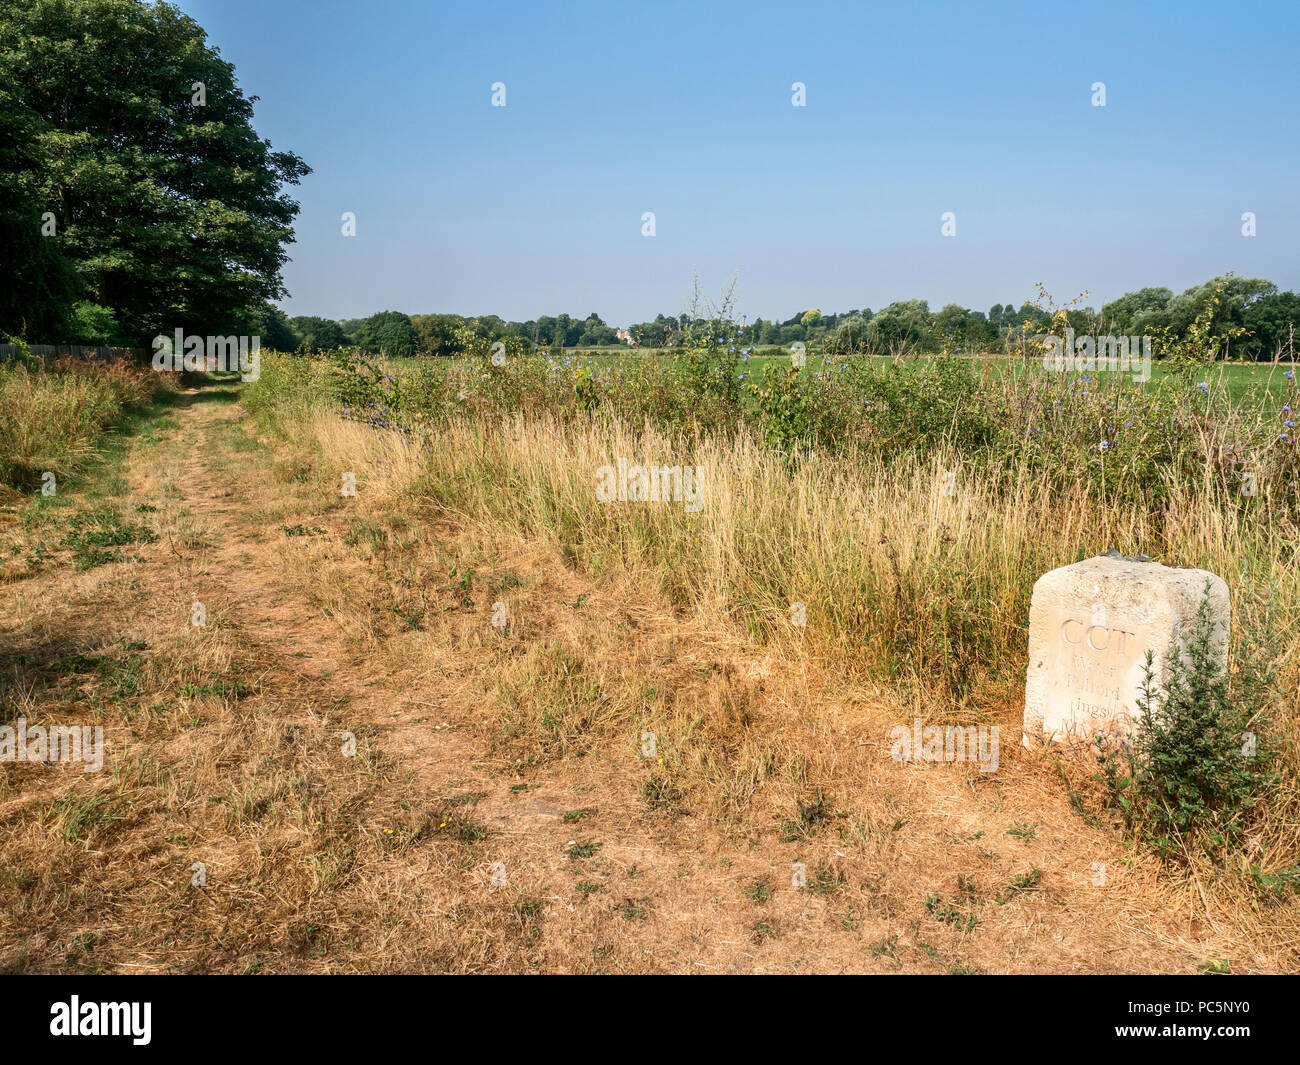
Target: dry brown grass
(50,420)
(522,745)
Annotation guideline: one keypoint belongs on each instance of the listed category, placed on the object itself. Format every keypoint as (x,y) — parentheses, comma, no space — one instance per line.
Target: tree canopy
(138,197)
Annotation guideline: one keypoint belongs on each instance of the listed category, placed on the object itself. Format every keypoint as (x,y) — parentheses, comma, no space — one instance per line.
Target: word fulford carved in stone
(1090,627)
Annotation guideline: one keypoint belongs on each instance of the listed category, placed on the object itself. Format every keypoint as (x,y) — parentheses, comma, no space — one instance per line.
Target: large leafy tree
(437,334)
(1272,321)
(40,285)
(317,334)
(902,325)
(1234,294)
(276,331)
(389,333)
(168,206)
(1146,306)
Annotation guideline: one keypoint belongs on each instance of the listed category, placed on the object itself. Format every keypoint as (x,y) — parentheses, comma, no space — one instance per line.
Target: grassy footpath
(352,766)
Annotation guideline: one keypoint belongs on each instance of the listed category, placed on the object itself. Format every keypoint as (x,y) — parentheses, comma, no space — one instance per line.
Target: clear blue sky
(684,109)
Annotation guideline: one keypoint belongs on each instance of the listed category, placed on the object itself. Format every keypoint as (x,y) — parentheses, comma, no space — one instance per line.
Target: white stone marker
(1090,627)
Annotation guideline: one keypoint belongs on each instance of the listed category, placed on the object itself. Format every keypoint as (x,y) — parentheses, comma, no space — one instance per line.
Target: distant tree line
(401,335)
(909,326)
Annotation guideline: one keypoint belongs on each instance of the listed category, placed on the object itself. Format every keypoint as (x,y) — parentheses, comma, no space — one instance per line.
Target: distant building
(625,335)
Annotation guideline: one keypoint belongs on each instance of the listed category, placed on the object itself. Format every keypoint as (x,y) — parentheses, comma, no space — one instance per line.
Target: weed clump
(1188,778)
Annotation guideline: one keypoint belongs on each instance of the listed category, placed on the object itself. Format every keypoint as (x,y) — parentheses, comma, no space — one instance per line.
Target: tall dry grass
(51,419)
(920,566)
(915,572)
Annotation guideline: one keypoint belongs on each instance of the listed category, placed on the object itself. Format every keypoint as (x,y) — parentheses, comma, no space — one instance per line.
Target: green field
(1229,382)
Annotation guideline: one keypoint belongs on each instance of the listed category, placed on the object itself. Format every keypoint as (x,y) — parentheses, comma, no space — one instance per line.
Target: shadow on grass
(211,388)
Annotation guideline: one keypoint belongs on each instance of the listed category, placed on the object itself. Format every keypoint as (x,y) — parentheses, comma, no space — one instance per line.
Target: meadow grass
(911,568)
(1235,382)
(369,615)
(51,420)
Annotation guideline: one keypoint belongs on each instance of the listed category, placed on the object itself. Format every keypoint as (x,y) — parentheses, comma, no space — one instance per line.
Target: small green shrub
(1191,773)
(784,410)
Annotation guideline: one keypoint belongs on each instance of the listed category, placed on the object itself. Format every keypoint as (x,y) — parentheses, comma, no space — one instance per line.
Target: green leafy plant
(949,914)
(1199,343)
(784,409)
(23,354)
(1195,766)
